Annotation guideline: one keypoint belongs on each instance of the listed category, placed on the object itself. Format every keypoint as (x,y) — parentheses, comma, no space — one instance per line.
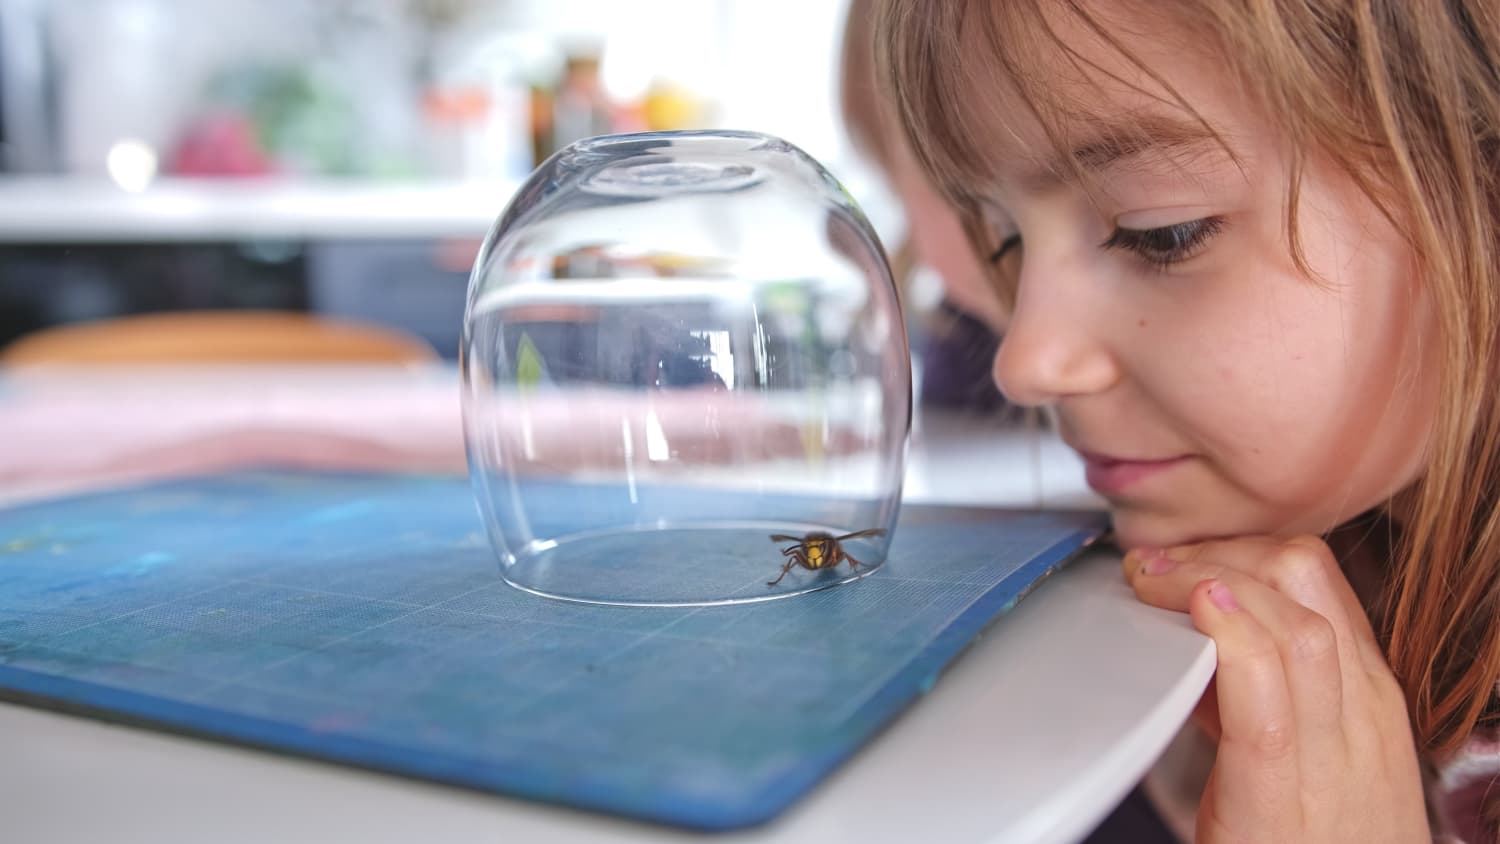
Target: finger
(1206,713)
(1165,578)
(1304,640)
(1310,658)
(1303,568)
(1243,552)
(1257,776)
(1306,568)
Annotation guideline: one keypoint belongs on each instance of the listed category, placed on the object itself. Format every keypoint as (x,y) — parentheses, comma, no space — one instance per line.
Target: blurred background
(343,157)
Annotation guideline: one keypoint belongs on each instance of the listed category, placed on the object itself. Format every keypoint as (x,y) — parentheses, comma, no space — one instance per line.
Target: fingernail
(1157,562)
(1222,598)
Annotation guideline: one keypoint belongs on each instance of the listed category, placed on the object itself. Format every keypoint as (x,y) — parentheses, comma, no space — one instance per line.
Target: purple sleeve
(1467,790)
(957,352)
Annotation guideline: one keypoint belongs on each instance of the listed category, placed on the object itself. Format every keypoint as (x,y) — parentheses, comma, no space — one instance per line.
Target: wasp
(818,550)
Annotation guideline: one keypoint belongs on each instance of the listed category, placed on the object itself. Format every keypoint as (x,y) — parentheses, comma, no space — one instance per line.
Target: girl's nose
(1051,349)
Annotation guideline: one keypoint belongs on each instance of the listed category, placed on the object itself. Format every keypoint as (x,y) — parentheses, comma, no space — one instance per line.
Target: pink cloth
(69,428)
(65,428)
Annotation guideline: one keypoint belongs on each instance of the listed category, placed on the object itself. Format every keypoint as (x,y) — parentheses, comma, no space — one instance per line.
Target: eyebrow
(1114,146)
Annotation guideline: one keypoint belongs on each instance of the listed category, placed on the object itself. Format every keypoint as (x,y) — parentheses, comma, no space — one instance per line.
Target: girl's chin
(1135,529)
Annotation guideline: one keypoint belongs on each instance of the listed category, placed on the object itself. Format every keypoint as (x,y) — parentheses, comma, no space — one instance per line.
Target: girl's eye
(1167,245)
(1006,247)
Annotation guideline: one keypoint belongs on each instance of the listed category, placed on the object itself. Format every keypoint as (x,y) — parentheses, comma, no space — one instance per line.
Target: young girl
(1252,255)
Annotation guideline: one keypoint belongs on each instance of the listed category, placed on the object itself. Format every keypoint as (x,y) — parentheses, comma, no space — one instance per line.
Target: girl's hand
(1315,744)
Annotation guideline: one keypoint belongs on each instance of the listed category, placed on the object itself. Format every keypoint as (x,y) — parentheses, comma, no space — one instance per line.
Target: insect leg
(784,569)
(853,563)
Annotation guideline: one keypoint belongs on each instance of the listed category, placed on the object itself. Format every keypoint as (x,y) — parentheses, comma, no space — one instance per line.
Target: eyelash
(1005,246)
(1167,245)
(1160,247)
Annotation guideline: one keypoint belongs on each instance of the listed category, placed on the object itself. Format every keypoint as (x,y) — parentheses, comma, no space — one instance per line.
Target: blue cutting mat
(362,620)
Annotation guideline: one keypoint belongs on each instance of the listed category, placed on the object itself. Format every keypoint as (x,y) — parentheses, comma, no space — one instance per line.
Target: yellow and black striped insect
(818,550)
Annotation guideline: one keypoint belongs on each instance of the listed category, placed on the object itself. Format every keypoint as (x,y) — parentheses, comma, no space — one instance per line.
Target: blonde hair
(863,102)
(1403,97)
(869,118)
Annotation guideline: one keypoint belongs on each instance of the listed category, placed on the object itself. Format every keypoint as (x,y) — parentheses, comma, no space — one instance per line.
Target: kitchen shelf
(75,210)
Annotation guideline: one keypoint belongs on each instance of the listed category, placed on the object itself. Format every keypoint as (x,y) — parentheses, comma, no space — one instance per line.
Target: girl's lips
(1112,475)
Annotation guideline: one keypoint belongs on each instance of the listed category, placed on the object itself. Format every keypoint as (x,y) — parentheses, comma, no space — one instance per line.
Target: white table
(1035,733)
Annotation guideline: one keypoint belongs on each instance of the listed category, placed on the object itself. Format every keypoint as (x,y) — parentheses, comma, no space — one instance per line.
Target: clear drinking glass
(686,378)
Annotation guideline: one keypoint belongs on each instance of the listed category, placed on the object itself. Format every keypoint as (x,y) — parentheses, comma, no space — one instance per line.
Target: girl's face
(938,236)
(1213,388)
